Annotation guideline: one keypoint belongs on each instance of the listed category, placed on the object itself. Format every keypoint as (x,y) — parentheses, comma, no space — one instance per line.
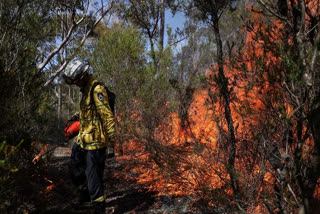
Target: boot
(99,207)
(83,200)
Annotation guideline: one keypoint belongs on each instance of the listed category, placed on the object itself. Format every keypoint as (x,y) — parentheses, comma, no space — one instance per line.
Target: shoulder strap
(91,103)
(111,95)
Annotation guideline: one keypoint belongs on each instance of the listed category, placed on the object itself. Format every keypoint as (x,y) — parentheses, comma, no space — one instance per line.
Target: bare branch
(95,23)
(315,51)
(270,10)
(291,93)
(312,28)
(57,72)
(57,49)
(78,48)
(291,191)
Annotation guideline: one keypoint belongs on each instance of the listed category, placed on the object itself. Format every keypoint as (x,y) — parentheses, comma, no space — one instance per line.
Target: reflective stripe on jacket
(97,126)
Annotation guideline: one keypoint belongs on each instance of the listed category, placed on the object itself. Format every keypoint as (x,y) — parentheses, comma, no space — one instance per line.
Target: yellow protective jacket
(97,124)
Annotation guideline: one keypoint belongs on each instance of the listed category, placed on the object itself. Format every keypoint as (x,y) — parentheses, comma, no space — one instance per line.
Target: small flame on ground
(51,187)
(42,150)
(46,179)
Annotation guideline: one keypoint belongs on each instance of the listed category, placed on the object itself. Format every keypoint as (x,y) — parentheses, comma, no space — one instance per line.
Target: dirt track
(122,196)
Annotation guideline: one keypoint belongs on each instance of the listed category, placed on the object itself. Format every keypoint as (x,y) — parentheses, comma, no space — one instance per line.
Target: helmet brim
(73,80)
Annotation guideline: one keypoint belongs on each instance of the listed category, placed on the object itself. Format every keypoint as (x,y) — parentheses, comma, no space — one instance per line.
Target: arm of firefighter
(107,118)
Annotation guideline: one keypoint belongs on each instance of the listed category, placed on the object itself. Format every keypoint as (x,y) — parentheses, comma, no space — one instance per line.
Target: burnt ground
(121,196)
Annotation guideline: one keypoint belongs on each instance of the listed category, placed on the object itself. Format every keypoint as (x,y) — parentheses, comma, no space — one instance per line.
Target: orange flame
(42,150)
(198,163)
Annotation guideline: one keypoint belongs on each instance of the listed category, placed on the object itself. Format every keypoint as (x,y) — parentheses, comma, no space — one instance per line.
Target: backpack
(111,95)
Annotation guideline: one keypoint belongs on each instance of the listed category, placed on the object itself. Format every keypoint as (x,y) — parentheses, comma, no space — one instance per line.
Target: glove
(110,148)
(110,152)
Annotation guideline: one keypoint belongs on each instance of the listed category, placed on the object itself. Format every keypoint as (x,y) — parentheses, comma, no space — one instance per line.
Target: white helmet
(74,71)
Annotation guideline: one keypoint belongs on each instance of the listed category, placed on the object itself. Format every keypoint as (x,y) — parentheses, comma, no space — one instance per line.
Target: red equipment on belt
(71,128)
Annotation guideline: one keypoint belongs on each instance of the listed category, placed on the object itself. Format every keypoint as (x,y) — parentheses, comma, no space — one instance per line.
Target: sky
(176,21)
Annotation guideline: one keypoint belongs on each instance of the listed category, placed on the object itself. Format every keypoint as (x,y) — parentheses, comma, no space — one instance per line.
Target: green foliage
(7,168)
(118,58)
(208,8)
(136,10)
(20,81)
(290,65)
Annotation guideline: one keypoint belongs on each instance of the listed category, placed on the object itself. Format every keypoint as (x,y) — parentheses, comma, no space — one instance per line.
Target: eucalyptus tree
(211,12)
(149,16)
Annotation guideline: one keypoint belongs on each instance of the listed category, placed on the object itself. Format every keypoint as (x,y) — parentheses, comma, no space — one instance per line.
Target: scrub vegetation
(221,115)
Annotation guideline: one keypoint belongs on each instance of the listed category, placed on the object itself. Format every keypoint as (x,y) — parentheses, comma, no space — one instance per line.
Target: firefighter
(96,133)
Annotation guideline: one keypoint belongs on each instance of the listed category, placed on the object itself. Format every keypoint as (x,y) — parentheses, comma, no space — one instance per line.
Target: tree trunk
(162,18)
(61,61)
(69,101)
(314,172)
(59,107)
(153,53)
(158,67)
(223,85)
